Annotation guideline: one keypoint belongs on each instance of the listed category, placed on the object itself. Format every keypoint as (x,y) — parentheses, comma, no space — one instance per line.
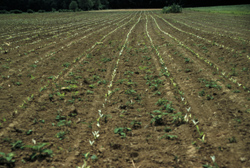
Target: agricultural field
(125,89)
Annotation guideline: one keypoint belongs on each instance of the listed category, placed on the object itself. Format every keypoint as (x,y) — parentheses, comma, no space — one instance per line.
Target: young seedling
(96,134)
(135,124)
(91,142)
(17,145)
(39,151)
(201,134)
(7,158)
(122,131)
(157,119)
(167,136)
(61,135)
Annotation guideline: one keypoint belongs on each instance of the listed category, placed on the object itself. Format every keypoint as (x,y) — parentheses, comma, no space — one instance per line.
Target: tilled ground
(125,89)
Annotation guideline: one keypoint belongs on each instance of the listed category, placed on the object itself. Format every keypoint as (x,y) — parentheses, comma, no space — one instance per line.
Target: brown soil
(162,90)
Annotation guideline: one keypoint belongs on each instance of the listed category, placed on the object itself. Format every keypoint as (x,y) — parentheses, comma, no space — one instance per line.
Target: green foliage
(157,117)
(39,151)
(175,8)
(4,12)
(135,124)
(122,131)
(66,64)
(85,4)
(41,11)
(94,158)
(106,60)
(30,11)
(73,6)
(130,91)
(209,97)
(167,136)
(6,158)
(16,11)
(202,93)
(16,145)
(227,9)
(232,140)
(210,84)
(61,135)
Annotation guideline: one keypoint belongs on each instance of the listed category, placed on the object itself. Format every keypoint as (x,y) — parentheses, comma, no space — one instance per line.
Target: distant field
(230,9)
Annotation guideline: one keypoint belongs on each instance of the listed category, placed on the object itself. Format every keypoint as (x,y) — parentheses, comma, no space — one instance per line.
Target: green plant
(130,91)
(167,136)
(187,60)
(61,135)
(29,132)
(135,124)
(215,164)
(236,91)
(39,151)
(94,158)
(161,102)
(16,145)
(90,92)
(232,140)
(122,131)
(106,60)
(210,84)
(168,108)
(66,64)
(174,8)
(178,118)
(201,134)
(244,69)
(7,158)
(33,65)
(228,86)
(18,83)
(157,117)
(209,97)
(84,165)
(202,93)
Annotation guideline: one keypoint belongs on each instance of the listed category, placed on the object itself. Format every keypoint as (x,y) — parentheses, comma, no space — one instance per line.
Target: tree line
(48,5)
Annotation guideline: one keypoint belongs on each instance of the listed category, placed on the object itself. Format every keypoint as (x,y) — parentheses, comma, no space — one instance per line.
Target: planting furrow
(38,62)
(219,26)
(213,41)
(56,68)
(222,69)
(223,35)
(67,94)
(50,33)
(189,78)
(101,110)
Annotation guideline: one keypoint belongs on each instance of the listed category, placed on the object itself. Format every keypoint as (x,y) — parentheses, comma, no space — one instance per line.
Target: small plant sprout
(84,165)
(188,109)
(7,158)
(91,142)
(98,124)
(100,113)
(96,134)
(213,158)
(186,118)
(182,98)
(195,122)
(34,141)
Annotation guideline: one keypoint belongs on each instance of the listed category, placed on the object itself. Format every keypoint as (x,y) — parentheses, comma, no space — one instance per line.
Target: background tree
(97,4)
(102,4)
(73,6)
(86,4)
